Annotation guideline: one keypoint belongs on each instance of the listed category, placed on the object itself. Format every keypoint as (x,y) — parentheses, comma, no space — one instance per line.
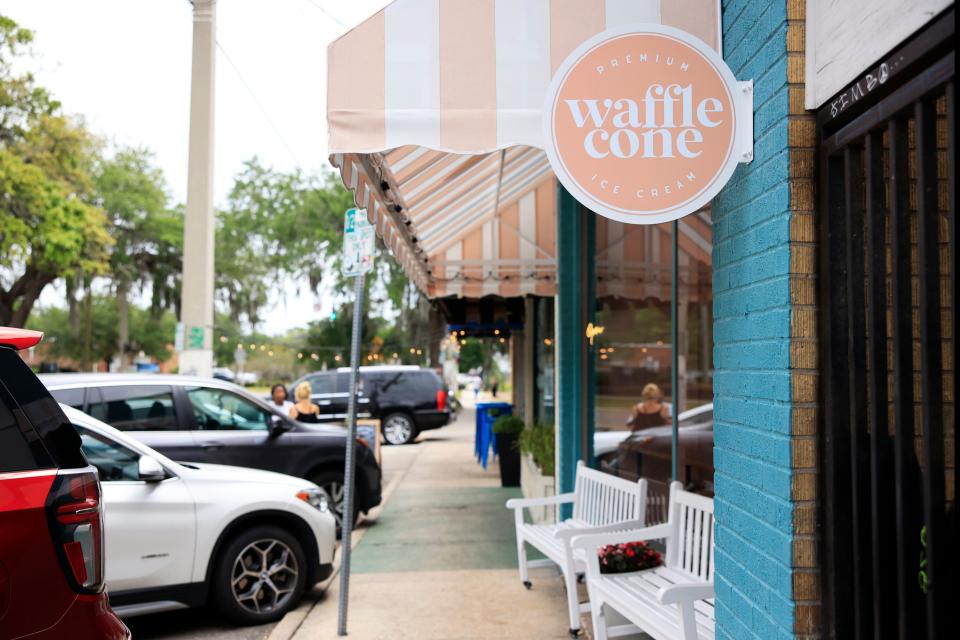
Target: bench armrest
(520,503)
(685,593)
(568,534)
(593,542)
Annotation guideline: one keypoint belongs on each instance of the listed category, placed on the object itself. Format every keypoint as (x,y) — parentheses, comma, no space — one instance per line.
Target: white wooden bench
(601,503)
(670,602)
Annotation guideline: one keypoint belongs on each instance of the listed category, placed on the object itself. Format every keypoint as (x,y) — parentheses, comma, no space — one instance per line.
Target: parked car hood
(608,441)
(225,473)
(325,428)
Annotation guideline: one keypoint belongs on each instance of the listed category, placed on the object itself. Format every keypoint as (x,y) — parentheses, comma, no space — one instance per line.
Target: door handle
(212,445)
(324,403)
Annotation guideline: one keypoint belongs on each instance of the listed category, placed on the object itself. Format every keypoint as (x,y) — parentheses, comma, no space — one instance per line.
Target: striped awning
(434,114)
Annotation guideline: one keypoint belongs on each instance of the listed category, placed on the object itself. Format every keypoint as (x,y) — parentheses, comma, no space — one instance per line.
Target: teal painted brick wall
(752,384)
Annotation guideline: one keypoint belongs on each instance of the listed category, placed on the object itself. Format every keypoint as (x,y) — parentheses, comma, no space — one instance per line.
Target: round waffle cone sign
(641,124)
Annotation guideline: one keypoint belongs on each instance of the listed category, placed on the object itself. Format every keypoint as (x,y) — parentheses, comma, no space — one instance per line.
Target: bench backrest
(691,548)
(658,501)
(602,499)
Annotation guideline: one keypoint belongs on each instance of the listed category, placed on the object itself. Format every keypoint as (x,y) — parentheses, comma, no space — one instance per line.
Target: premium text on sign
(645,124)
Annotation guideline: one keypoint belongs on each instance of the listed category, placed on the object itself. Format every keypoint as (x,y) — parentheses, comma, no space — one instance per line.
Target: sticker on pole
(359,243)
(646,123)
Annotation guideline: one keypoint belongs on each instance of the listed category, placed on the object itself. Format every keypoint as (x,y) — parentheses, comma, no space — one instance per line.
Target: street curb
(290,624)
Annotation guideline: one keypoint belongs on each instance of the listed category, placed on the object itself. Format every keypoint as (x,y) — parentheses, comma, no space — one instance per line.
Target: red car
(51,528)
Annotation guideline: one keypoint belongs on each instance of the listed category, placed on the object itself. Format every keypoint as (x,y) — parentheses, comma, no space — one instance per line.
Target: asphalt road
(192,624)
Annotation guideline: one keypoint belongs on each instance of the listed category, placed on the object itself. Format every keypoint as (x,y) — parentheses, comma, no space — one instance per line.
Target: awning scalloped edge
(354,170)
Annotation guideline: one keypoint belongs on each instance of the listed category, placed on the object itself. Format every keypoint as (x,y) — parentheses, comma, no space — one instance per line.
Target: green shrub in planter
(508,425)
(507,430)
(539,441)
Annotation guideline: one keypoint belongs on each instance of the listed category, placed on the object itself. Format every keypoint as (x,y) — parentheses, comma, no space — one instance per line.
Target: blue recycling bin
(487,414)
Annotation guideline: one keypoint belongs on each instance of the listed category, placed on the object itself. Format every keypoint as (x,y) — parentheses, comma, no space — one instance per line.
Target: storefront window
(633,285)
(545,381)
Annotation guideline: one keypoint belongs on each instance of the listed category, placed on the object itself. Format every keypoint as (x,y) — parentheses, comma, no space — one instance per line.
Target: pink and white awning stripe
(434,121)
(469,76)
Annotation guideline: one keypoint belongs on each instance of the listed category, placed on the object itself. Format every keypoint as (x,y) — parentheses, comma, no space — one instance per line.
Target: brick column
(803,332)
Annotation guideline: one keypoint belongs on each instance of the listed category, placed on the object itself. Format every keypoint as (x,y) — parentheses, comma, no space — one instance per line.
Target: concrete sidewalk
(439,561)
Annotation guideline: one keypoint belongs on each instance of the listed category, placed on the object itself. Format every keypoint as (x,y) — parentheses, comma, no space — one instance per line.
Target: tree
(148,235)
(276,226)
(152,334)
(44,234)
(48,226)
(330,337)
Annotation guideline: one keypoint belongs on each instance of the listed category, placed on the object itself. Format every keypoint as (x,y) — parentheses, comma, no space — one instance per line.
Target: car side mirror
(277,426)
(150,470)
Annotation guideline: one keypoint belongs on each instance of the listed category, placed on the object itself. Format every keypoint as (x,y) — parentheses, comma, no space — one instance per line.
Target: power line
(328,14)
(256,100)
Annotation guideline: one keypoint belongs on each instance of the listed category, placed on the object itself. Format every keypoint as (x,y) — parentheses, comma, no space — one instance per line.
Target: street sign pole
(351,461)
(359,244)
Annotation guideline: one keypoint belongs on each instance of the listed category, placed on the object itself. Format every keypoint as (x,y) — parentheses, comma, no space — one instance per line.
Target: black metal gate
(887,283)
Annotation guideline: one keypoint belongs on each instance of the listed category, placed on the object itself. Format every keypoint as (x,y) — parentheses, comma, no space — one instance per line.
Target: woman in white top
(278,395)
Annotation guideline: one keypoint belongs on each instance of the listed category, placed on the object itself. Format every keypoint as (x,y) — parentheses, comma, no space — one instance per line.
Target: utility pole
(196,302)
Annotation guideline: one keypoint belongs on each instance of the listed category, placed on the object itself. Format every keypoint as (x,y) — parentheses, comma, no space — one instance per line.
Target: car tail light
(76,522)
(441,399)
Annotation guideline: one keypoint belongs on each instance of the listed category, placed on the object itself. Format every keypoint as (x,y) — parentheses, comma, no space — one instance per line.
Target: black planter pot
(509,455)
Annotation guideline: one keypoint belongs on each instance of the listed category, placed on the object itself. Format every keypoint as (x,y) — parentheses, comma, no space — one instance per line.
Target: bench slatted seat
(670,602)
(601,503)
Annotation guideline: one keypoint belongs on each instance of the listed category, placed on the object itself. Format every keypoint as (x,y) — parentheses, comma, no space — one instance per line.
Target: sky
(124,65)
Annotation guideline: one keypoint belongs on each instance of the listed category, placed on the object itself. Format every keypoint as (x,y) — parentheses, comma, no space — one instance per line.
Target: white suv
(180,535)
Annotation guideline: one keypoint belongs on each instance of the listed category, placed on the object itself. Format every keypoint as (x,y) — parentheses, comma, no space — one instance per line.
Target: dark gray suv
(201,420)
(406,399)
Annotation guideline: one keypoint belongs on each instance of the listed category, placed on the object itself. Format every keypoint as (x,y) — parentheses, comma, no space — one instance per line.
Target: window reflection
(633,285)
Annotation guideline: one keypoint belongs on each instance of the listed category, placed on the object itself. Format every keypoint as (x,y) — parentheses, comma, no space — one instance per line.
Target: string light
(300,356)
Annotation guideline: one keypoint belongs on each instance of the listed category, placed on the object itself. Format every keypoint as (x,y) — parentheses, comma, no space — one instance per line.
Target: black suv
(405,399)
(202,420)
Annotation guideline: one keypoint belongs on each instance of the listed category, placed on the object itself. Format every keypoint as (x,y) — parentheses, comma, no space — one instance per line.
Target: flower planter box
(534,484)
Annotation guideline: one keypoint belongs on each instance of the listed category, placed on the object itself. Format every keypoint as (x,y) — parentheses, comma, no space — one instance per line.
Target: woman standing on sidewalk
(304,410)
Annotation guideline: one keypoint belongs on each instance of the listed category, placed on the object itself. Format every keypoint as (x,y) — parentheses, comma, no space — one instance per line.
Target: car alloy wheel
(264,576)
(332,483)
(397,429)
(334,489)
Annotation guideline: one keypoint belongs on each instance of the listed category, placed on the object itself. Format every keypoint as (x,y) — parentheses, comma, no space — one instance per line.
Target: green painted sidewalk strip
(428,529)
